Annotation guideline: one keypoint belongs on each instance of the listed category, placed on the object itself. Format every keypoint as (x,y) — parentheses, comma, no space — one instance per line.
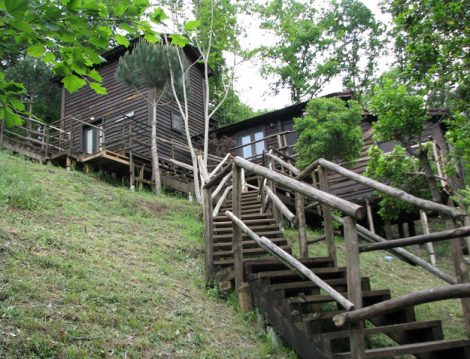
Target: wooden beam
(301,225)
(237,241)
(293,185)
(409,300)
(402,253)
(291,217)
(290,261)
(221,201)
(221,185)
(222,173)
(283,163)
(208,236)
(392,191)
(425,227)
(202,168)
(370,217)
(219,166)
(307,171)
(327,216)
(423,238)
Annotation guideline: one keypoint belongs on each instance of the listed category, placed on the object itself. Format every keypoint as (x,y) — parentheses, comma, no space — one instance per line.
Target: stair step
(308,284)
(249,251)
(244,206)
(415,348)
(255,228)
(287,273)
(320,298)
(223,218)
(269,265)
(264,233)
(248,222)
(248,243)
(394,328)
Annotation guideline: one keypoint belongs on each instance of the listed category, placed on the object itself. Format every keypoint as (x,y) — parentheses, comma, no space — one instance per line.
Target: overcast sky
(254,90)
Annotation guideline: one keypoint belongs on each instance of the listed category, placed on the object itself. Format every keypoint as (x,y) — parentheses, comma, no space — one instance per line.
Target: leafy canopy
(69,35)
(330,129)
(401,116)
(399,170)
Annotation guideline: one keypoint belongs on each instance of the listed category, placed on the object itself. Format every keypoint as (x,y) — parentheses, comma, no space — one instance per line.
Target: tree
(399,170)
(329,129)
(42,97)
(314,45)
(148,66)
(402,117)
(69,35)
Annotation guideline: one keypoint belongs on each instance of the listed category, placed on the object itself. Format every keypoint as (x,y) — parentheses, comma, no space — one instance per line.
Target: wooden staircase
(302,313)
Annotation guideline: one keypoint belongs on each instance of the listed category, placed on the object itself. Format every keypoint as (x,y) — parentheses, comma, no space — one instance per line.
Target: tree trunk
(424,161)
(30,117)
(155,163)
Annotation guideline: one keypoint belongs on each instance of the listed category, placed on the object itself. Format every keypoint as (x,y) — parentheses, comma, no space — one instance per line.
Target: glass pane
(259,146)
(89,141)
(246,151)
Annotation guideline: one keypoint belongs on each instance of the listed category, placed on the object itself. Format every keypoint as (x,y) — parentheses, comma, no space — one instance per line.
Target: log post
(354,285)
(461,269)
(141,178)
(370,217)
(88,168)
(208,236)
(327,217)
(237,244)
(46,135)
(466,221)
(302,227)
(430,245)
(388,229)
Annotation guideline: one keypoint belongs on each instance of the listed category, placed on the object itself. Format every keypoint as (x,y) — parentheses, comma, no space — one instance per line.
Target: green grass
(88,269)
(401,278)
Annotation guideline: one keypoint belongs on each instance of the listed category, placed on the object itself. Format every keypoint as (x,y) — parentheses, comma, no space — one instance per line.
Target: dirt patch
(154,208)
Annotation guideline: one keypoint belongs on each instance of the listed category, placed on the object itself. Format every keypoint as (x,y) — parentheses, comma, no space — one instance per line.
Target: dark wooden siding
(121,100)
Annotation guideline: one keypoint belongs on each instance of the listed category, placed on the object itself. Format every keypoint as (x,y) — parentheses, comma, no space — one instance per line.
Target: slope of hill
(92,270)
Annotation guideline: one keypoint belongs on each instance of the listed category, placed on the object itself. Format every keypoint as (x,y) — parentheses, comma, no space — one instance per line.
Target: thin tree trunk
(30,117)
(424,161)
(155,163)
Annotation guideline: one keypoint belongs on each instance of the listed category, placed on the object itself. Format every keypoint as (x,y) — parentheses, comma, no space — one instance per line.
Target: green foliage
(67,34)
(401,116)
(41,97)
(399,170)
(149,65)
(316,45)
(458,135)
(329,129)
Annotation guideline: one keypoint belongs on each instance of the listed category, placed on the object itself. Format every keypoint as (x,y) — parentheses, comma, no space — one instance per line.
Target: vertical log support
(354,285)
(237,245)
(302,227)
(429,245)
(467,223)
(208,236)
(327,216)
(388,229)
(46,135)
(461,269)
(370,217)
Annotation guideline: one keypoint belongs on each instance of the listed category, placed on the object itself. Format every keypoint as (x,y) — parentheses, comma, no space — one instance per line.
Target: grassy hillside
(92,270)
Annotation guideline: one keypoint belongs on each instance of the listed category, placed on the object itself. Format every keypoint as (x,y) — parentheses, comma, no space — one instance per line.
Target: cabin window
(176,122)
(92,138)
(252,144)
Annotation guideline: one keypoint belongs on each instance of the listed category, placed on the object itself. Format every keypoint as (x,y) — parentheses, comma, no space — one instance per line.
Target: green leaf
(73,83)
(122,40)
(158,15)
(17,104)
(151,38)
(14,87)
(12,119)
(191,25)
(95,75)
(119,9)
(16,7)
(48,58)
(100,90)
(35,50)
(179,40)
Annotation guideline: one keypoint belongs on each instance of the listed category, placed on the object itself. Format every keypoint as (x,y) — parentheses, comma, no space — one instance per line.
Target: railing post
(327,217)
(354,285)
(208,235)
(302,227)
(46,135)
(103,136)
(461,269)
(237,244)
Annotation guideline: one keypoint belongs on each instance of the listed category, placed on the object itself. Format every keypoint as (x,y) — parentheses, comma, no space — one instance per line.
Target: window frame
(173,115)
(253,148)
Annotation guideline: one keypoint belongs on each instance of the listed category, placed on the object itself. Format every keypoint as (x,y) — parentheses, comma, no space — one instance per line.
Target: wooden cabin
(274,130)
(110,131)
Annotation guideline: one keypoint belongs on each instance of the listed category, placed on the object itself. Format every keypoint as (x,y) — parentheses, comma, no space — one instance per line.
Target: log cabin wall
(121,100)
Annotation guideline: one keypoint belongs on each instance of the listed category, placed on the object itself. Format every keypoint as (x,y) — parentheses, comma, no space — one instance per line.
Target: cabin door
(92,138)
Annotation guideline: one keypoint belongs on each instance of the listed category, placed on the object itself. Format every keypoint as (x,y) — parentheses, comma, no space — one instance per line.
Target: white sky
(255,91)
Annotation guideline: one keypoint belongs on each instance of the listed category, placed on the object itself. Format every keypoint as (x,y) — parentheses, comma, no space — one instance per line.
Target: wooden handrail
(283,163)
(349,208)
(222,173)
(291,217)
(392,191)
(221,201)
(391,305)
(221,185)
(291,262)
(424,238)
(219,166)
